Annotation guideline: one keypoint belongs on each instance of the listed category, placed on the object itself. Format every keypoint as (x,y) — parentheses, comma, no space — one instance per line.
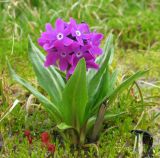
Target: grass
(135,25)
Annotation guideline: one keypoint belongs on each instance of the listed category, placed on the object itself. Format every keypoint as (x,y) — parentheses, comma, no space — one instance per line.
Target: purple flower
(61,32)
(61,56)
(67,43)
(47,38)
(78,31)
(94,42)
(52,37)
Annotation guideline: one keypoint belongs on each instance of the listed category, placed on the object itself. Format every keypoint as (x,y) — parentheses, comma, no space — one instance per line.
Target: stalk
(83,134)
(99,121)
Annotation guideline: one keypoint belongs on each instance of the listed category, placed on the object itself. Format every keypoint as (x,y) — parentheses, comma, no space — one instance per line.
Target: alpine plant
(77,78)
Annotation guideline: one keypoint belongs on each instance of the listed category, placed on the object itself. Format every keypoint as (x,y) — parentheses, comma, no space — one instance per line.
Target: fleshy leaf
(103,90)
(75,97)
(105,58)
(48,78)
(107,117)
(113,80)
(107,46)
(49,106)
(94,82)
(124,85)
(64,126)
(106,88)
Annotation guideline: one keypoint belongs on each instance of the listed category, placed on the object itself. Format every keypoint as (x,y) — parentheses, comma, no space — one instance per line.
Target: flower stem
(82,134)
(99,121)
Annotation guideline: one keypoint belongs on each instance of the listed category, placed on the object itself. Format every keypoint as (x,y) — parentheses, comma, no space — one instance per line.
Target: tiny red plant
(45,138)
(27,133)
(51,148)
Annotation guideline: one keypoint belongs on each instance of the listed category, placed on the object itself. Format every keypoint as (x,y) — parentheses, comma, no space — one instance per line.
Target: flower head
(67,43)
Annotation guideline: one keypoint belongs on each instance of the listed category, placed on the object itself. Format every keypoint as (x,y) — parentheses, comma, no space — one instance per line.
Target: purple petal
(67,30)
(83,28)
(59,25)
(58,44)
(63,64)
(73,22)
(88,56)
(46,46)
(48,35)
(67,41)
(92,64)
(41,41)
(68,75)
(80,41)
(70,59)
(71,70)
(96,50)
(87,36)
(49,27)
(97,37)
(75,46)
(51,59)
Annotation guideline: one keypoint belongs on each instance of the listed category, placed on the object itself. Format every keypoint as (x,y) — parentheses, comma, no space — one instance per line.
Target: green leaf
(124,85)
(54,70)
(108,116)
(64,126)
(156,115)
(113,80)
(104,59)
(49,79)
(107,46)
(93,90)
(49,106)
(95,82)
(75,97)
(107,85)
(10,110)
(103,90)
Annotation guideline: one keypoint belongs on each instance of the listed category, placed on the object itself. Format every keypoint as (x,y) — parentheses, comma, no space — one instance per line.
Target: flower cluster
(67,43)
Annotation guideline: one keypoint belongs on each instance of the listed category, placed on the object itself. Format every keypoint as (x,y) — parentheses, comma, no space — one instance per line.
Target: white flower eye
(63,54)
(59,36)
(79,54)
(78,33)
